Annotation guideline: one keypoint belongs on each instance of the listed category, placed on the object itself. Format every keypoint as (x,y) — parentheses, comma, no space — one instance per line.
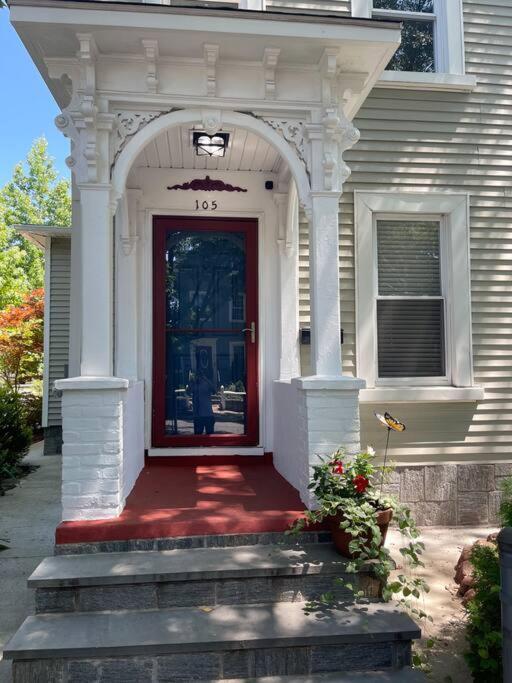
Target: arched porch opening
(158,175)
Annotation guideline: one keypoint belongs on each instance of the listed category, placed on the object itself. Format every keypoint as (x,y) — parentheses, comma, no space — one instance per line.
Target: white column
(75,297)
(126,287)
(324,284)
(288,242)
(97,281)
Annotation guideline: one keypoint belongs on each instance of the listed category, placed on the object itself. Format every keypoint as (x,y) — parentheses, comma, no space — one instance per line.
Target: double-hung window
(410,302)
(431,53)
(413,296)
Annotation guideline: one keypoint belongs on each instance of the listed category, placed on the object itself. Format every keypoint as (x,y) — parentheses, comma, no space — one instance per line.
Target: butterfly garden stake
(390,423)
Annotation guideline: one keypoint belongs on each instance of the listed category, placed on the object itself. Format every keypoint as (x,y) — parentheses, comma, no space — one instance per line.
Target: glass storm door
(205,343)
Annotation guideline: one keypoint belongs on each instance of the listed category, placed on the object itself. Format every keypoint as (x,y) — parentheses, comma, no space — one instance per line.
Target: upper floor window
(432,42)
(417,51)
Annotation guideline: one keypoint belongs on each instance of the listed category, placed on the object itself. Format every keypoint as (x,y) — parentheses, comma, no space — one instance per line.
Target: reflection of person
(202,389)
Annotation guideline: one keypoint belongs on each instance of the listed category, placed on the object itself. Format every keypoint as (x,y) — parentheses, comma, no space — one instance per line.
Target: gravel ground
(30,513)
(442,549)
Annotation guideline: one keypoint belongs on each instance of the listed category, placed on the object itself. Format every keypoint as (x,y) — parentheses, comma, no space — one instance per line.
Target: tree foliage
(21,340)
(33,195)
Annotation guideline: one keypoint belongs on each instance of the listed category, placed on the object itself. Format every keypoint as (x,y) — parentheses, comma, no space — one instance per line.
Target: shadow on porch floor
(197,496)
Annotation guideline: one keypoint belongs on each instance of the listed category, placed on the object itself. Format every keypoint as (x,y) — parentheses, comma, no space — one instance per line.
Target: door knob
(252,330)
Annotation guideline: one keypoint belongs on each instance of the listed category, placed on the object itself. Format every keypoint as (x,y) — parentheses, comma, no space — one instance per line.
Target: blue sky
(27,108)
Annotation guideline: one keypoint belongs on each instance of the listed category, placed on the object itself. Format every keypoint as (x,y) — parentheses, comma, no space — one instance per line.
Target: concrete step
(197,577)
(193,644)
(406,675)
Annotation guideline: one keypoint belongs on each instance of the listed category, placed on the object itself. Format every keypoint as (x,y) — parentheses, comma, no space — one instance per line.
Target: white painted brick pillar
(93,411)
(328,418)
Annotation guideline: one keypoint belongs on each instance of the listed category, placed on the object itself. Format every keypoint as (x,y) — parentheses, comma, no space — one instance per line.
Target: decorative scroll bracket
(207,184)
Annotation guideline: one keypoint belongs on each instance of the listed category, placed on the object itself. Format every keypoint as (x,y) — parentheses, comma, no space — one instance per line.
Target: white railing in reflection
(241,4)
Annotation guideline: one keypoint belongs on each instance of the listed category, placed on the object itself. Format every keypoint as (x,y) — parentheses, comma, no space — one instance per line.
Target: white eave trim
(41,234)
(422,394)
(411,80)
(242,22)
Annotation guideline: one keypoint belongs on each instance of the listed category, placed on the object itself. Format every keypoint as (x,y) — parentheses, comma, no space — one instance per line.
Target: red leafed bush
(21,340)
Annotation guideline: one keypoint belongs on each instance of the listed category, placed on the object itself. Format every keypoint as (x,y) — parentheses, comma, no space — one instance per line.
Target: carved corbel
(129,210)
(270,59)
(128,244)
(151,55)
(281,202)
(211,56)
(88,109)
(339,135)
(329,72)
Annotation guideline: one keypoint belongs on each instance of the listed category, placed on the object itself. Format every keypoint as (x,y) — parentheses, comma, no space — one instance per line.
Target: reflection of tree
(211,257)
(405,5)
(416,52)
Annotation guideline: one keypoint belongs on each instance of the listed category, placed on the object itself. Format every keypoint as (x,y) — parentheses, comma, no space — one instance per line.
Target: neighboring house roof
(38,234)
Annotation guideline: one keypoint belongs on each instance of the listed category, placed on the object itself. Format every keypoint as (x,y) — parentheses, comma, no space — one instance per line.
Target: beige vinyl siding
(60,258)
(420,140)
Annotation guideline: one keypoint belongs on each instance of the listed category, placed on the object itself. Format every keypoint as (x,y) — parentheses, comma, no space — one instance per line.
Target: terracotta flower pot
(342,540)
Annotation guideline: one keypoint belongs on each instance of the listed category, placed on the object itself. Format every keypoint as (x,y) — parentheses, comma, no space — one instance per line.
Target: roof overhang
(41,234)
(48,29)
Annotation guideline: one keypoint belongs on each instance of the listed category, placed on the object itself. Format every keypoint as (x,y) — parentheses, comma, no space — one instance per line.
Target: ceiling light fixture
(210,145)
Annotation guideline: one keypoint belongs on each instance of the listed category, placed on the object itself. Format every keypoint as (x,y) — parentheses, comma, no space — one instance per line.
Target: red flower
(338,467)
(361,483)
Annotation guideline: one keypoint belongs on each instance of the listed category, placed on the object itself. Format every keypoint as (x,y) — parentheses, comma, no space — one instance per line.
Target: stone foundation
(272,661)
(53,440)
(451,495)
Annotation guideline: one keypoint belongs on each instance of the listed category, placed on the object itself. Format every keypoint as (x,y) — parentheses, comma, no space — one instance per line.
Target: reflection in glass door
(205,389)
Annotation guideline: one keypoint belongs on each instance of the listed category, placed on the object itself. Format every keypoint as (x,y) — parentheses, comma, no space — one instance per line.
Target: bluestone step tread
(185,565)
(406,675)
(152,632)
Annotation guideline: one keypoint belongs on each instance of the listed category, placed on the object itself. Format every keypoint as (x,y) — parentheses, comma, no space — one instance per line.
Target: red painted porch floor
(195,497)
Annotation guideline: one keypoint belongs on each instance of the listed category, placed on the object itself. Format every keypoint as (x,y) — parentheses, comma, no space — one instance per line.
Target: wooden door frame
(161,225)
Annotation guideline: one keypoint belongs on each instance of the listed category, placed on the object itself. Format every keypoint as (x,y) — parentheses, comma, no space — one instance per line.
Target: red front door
(205,331)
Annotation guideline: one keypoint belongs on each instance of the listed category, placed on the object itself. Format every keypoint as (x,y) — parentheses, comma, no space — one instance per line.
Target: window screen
(410,305)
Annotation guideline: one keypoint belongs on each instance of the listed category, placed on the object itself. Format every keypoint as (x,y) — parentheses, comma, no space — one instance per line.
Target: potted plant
(349,497)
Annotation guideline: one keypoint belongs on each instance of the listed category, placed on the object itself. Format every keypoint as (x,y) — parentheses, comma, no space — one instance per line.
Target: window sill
(421,394)
(410,80)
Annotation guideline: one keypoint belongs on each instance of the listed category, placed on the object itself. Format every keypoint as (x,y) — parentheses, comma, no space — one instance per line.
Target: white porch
(132,85)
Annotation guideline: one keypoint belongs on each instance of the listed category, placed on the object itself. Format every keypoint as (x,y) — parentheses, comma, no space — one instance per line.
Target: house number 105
(206,205)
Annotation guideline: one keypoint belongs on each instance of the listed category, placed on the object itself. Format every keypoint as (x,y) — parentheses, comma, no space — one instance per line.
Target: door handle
(252,330)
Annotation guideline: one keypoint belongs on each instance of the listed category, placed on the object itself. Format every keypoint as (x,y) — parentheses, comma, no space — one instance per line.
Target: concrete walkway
(30,513)
(28,517)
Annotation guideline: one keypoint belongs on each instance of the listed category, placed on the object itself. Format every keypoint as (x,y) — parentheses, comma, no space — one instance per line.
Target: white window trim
(450,55)
(454,209)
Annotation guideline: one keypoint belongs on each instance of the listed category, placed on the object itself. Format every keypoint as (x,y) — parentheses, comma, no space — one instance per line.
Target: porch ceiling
(246,152)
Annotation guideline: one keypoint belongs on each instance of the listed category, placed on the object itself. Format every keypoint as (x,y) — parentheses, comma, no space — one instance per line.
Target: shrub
(32,405)
(506,502)
(484,617)
(15,435)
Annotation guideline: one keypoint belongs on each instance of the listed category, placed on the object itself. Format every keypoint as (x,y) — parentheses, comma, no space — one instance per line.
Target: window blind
(408,258)
(410,306)
(411,338)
